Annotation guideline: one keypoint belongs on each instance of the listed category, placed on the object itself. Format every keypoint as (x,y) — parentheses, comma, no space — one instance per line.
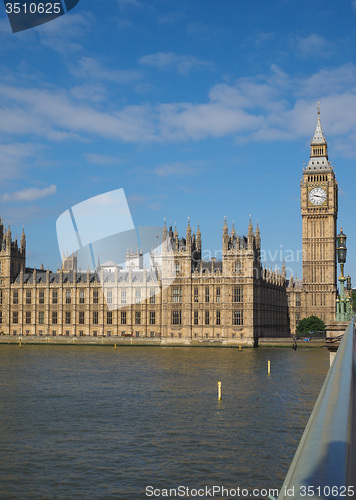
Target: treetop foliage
(311,324)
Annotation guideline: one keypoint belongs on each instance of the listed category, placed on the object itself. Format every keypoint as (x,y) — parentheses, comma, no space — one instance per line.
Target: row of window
(41,297)
(237,317)
(177,267)
(317,178)
(207,336)
(297,300)
(237,294)
(319,151)
(95,333)
(81,317)
(68,296)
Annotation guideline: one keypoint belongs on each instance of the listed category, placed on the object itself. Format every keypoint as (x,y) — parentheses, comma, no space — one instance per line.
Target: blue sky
(199,109)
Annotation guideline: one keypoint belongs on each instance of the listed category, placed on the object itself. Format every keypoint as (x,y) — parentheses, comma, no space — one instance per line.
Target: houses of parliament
(229,301)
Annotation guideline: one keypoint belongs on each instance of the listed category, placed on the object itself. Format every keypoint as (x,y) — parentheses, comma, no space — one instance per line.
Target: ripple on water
(104,423)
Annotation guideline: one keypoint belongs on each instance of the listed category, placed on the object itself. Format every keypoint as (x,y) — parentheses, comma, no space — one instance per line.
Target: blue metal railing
(324,465)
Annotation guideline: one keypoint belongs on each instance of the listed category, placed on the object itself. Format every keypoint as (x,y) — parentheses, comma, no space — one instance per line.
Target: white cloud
(30,194)
(313,46)
(171,18)
(64,34)
(178,169)
(129,3)
(89,69)
(204,30)
(272,106)
(56,115)
(155,206)
(138,199)
(103,159)
(14,159)
(182,63)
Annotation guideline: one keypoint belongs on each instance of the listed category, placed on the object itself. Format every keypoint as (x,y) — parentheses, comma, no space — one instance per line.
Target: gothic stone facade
(233,300)
(230,301)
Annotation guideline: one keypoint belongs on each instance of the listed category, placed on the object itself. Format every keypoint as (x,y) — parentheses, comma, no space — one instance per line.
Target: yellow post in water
(115,346)
(269,367)
(240,348)
(219,391)
(20,343)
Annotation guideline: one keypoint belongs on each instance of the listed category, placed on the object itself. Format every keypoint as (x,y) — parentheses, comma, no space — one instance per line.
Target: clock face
(317,196)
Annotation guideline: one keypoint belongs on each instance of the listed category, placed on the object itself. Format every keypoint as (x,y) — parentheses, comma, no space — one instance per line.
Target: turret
(318,146)
(258,236)
(164,232)
(13,258)
(250,235)
(225,228)
(8,240)
(198,239)
(284,272)
(175,235)
(23,240)
(1,232)
(234,238)
(319,160)
(189,235)
(225,237)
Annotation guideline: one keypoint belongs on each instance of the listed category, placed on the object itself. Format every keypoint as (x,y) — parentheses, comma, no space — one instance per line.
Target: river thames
(106,423)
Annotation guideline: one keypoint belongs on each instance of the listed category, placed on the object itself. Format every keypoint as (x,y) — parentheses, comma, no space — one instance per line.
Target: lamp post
(348,286)
(349,291)
(343,306)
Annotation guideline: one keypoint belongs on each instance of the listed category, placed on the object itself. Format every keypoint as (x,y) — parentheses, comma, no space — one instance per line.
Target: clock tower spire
(319,205)
(318,149)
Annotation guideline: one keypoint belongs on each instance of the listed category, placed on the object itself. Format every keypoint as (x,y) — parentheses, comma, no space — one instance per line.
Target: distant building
(230,301)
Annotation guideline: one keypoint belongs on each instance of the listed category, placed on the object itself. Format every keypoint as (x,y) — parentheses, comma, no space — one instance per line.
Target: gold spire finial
(318,108)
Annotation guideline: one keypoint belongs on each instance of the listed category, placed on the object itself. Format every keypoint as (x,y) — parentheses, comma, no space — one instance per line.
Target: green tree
(311,324)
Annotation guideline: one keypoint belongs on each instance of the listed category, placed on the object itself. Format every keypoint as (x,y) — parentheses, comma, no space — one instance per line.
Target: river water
(104,423)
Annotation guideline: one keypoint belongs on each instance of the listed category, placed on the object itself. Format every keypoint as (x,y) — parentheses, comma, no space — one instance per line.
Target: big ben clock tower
(319,204)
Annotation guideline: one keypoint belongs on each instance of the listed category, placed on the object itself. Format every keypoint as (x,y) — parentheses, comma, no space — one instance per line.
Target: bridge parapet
(334,333)
(326,455)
